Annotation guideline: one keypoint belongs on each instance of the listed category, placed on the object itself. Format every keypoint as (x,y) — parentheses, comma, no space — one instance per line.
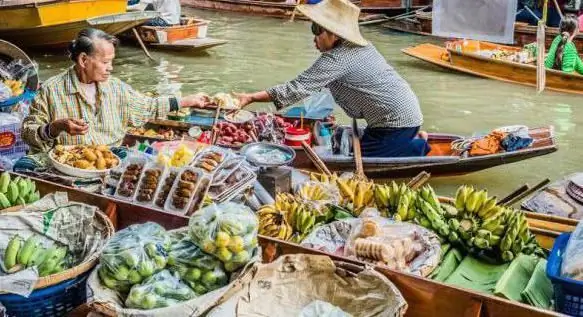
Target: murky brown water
(262,52)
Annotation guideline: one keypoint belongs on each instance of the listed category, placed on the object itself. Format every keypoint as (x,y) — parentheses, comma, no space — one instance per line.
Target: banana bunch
(323,178)
(273,223)
(20,254)
(356,194)
(431,215)
(314,191)
(469,201)
(16,86)
(517,238)
(396,200)
(18,191)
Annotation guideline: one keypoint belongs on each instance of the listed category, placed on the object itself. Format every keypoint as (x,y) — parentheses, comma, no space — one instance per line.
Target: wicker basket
(90,262)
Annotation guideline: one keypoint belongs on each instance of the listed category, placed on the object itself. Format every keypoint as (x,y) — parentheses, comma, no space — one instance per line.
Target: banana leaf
(515,279)
(539,290)
(449,263)
(477,275)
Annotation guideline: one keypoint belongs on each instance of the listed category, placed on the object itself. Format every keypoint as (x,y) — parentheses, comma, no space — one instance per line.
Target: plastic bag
(319,194)
(200,271)
(162,289)
(319,105)
(402,246)
(572,266)
(134,254)
(227,231)
(5,92)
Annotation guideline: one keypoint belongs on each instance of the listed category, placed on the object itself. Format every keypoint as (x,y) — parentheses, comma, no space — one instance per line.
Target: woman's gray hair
(85,42)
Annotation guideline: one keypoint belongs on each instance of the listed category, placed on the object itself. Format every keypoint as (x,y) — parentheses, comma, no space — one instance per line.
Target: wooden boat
(425,297)
(420,24)
(441,161)
(391,7)
(470,62)
(60,35)
(189,36)
(267,8)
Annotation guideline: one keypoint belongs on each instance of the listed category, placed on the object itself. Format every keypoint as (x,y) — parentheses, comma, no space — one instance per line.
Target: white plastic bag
(572,266)
(319,105)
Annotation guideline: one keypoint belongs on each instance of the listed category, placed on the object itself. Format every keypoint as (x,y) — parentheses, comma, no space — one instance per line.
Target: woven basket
(90,262)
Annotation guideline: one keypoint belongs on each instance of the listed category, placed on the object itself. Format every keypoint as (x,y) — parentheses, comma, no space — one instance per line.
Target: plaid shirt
(362,83)
(118,107)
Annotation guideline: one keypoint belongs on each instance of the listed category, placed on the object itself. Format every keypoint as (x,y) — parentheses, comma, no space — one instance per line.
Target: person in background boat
(563,53)
(362,83)
(85,104)
(169,10)
(530,11)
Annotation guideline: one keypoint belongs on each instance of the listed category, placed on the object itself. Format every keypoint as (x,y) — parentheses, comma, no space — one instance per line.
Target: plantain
(11,252)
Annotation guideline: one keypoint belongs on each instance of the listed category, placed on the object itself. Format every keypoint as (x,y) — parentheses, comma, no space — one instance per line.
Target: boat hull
(436,165)
(474,64)
(56,36)
(262,8)
(20,16)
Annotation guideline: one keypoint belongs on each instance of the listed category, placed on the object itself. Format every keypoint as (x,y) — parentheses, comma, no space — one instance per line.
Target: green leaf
(477,275)
(515,279)
(539,290)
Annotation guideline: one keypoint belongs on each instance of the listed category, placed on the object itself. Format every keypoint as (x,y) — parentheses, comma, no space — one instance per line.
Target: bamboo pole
(540,55)
(139,38)
(357,150)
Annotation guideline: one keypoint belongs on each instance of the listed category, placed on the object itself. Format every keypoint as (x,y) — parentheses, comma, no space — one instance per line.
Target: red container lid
(297,131)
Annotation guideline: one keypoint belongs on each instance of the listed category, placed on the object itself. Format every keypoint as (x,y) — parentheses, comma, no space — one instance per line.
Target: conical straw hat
(337,16)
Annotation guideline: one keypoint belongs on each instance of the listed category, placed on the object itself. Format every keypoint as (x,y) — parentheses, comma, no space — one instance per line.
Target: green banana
(20,201)
(486,207)
(23,188)
(472,202)
(12,193)
(453,223)
(11,252)
(491,224)
(481,243)
(484,234)
(494,240)
(37,257)
(460,198)
(4,202)
(4,182)
(28,249)
(507,256)
(32,185)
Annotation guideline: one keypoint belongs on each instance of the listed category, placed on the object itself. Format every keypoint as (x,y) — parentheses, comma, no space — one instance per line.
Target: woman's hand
(244,99)
(69,125)
(198,101)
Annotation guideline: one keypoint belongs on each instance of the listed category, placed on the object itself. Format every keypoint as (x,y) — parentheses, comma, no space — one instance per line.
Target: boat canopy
(484,20)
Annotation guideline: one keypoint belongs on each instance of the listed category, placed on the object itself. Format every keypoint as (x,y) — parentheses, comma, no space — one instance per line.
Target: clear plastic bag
(319,105)
(319,194)
(134,254)
(200,271)
(402,246)
(572,266)
(162,289)
(227,231)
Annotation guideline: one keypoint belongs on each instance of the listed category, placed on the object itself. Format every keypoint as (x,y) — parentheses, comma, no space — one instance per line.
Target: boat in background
(392,7)
(421,24)
(441,161)
(32,24)
(189,36)
(468,60)
(268,8)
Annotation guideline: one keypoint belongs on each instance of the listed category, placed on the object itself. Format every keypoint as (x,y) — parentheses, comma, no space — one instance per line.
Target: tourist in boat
(362,83)
(85,104)
(563,52)
(169,10)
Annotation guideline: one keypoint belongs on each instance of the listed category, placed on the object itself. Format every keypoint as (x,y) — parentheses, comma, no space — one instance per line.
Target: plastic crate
(52,301)
(11,143)
(568,292)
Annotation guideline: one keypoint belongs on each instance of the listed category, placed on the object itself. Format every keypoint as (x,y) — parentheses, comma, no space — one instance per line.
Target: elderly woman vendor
(360,80)
(85,104)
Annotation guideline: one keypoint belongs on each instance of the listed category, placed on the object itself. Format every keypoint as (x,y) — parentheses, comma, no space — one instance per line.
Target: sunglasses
(317,30)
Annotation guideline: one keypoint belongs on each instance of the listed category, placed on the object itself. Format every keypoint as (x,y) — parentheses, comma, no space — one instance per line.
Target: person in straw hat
(362,83)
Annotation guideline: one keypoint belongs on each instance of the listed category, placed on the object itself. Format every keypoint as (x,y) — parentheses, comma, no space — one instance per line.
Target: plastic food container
(201,160)
(171,202)
(295,136)
(124,190)
(147,173)
(165,187)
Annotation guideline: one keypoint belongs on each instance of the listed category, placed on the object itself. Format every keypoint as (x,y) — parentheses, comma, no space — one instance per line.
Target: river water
(263,51)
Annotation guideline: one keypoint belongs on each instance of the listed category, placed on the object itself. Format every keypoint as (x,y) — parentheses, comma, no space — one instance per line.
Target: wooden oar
(419,180)
(540,55)
(528,192)
(357,150)
(513,194)
(139,38)
(313,156)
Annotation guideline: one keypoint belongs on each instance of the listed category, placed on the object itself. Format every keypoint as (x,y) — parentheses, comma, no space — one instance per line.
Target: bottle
(326,137)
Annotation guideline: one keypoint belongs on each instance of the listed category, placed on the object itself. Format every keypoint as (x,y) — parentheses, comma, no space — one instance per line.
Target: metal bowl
(252,152)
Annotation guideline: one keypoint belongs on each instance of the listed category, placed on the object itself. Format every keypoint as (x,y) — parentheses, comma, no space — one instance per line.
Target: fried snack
(91,157)
(373,250)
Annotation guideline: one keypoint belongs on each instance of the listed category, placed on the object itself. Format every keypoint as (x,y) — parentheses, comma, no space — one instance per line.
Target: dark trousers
(393,142)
